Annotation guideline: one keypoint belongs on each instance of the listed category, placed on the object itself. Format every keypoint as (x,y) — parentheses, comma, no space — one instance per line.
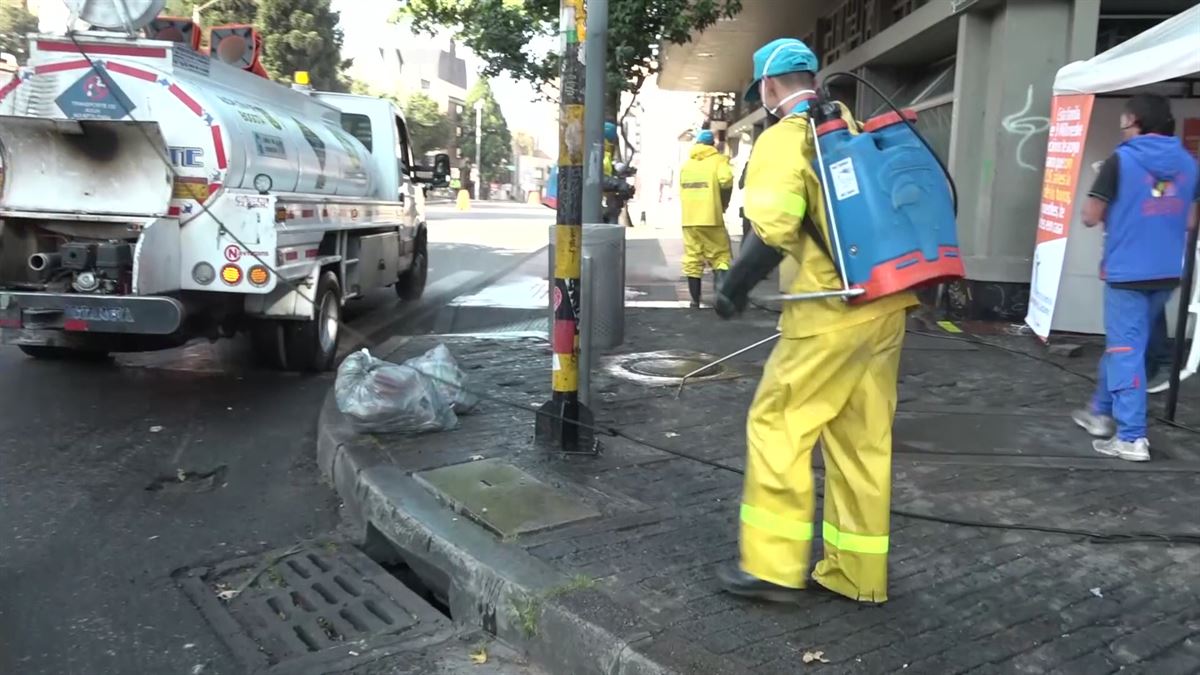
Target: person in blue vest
(1143,195)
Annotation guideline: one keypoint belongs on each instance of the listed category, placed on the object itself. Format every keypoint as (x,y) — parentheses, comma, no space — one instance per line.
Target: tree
(302,35)
(497,141)
(428,126)
(500,32)
(16,22)
(222,13)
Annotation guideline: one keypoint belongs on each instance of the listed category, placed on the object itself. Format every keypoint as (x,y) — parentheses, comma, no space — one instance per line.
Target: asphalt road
(87,547)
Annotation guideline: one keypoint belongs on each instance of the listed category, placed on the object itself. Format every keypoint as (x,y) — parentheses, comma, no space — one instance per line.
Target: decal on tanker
(270,146)
(318,148)
(187,158)
(348,144)
(95,96)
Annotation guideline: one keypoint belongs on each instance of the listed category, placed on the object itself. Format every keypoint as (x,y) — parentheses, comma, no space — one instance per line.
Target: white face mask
(762,95)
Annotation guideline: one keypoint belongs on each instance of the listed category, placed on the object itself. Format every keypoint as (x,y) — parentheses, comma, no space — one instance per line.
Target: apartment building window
(425,84)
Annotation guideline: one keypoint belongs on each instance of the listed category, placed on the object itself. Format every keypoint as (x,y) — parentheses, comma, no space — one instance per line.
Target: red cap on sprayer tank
(888,119)
(831,126)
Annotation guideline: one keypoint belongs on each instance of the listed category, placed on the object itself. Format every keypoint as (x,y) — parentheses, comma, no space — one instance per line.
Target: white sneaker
(1099,426)
(1130,451)
(1159,384)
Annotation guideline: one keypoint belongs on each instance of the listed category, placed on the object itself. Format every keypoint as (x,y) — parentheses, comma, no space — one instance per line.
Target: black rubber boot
(718,279)
(736,582)
(694,290)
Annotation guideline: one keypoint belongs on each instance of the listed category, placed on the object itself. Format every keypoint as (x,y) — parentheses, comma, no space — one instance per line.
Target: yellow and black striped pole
(564,424)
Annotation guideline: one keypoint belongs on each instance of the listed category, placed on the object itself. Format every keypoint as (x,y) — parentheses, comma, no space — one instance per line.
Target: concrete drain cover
(503,498)
(317,607)
(667,367)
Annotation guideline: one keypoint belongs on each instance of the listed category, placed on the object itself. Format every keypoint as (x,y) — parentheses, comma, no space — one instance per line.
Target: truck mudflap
(126,315)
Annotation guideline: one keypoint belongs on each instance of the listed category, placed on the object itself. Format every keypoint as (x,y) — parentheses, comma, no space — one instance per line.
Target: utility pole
(564,424)
(478,145)
(596,55)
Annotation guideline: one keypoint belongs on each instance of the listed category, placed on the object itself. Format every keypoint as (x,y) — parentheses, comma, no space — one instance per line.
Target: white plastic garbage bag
(383,397)
(439,364)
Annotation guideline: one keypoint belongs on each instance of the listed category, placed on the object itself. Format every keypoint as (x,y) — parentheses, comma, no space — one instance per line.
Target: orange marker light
(259,276)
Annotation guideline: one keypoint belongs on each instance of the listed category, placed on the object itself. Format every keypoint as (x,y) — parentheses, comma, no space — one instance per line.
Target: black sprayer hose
(950,179)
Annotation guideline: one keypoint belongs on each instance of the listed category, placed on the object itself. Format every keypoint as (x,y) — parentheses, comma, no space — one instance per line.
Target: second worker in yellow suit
(705,182)
(832,377)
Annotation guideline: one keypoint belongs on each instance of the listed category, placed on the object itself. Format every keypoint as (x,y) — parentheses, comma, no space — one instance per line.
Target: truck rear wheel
(411,284)
(312,345)
(63,353)
(270,347)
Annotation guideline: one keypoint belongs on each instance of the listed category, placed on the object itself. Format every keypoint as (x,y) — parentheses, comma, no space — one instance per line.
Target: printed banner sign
(1191,135)
(1069,119)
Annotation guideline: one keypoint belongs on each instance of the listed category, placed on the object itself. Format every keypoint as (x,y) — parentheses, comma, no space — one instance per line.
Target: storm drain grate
(317,605)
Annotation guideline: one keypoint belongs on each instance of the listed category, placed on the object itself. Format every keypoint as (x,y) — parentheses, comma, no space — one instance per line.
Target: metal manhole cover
(668,367)
(673,367)
(317,605)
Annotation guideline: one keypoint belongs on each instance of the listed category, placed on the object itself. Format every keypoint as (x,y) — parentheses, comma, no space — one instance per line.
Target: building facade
(979,74)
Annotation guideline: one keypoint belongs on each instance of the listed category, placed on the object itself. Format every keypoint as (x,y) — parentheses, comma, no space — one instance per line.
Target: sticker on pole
(845,183)
(95,96)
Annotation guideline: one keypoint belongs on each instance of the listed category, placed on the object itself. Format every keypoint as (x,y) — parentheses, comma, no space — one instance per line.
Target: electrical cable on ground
(1094,537)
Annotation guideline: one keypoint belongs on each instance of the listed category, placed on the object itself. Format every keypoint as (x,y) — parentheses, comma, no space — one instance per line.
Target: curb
(492,585)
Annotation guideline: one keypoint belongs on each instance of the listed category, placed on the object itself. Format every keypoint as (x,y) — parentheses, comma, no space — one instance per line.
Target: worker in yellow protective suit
(705,184)
(831,377)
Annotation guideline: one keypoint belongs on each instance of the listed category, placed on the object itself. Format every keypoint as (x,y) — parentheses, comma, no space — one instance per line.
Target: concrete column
(1007,59)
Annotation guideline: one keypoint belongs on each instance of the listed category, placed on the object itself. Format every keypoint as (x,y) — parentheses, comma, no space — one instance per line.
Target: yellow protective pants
(840,387)
(704,244)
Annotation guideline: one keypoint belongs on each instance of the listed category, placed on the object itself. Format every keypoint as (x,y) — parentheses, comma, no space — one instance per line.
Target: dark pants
(1158,350)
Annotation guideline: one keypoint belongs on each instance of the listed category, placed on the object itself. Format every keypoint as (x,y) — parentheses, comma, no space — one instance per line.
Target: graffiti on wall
(1027,126)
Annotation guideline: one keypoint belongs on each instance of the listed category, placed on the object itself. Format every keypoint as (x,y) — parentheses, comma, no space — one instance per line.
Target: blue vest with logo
(1146,225)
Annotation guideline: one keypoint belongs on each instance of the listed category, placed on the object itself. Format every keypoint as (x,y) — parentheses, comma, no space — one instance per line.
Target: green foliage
(302,35)
(500,32)
(428,126)
(16,23)
(497,141)
(223,13)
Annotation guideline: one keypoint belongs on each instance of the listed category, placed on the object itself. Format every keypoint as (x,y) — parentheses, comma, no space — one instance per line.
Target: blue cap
(779,57)
(705,137)
(610,131)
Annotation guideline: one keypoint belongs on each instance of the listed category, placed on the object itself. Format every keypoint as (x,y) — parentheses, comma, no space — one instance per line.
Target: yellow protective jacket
(608,158)
(782,189)
(701,180)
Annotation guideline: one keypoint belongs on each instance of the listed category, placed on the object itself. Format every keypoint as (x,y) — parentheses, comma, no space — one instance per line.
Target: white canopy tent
(1169,51)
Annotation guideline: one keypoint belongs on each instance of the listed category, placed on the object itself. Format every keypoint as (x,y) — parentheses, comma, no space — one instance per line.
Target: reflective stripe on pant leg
(693,252)
(857,446)
(1127,323)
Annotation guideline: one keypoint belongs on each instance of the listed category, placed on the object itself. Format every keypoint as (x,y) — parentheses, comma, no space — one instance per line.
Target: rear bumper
(22,313)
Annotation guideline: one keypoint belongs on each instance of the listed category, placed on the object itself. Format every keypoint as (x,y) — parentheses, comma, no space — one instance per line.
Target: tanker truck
(151,194)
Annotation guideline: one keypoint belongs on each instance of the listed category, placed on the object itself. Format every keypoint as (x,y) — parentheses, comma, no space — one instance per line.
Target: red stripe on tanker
(105,49)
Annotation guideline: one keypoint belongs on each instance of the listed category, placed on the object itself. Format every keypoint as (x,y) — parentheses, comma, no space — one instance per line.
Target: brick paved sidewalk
(982,435)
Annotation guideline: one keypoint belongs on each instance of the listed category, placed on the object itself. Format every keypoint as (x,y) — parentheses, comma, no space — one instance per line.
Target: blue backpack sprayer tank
(890,203)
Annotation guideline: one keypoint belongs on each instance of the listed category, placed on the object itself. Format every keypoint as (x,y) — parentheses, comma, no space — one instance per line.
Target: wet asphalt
(92,518)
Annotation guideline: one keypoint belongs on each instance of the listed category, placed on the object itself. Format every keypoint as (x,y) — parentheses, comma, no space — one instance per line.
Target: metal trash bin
(604,248)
